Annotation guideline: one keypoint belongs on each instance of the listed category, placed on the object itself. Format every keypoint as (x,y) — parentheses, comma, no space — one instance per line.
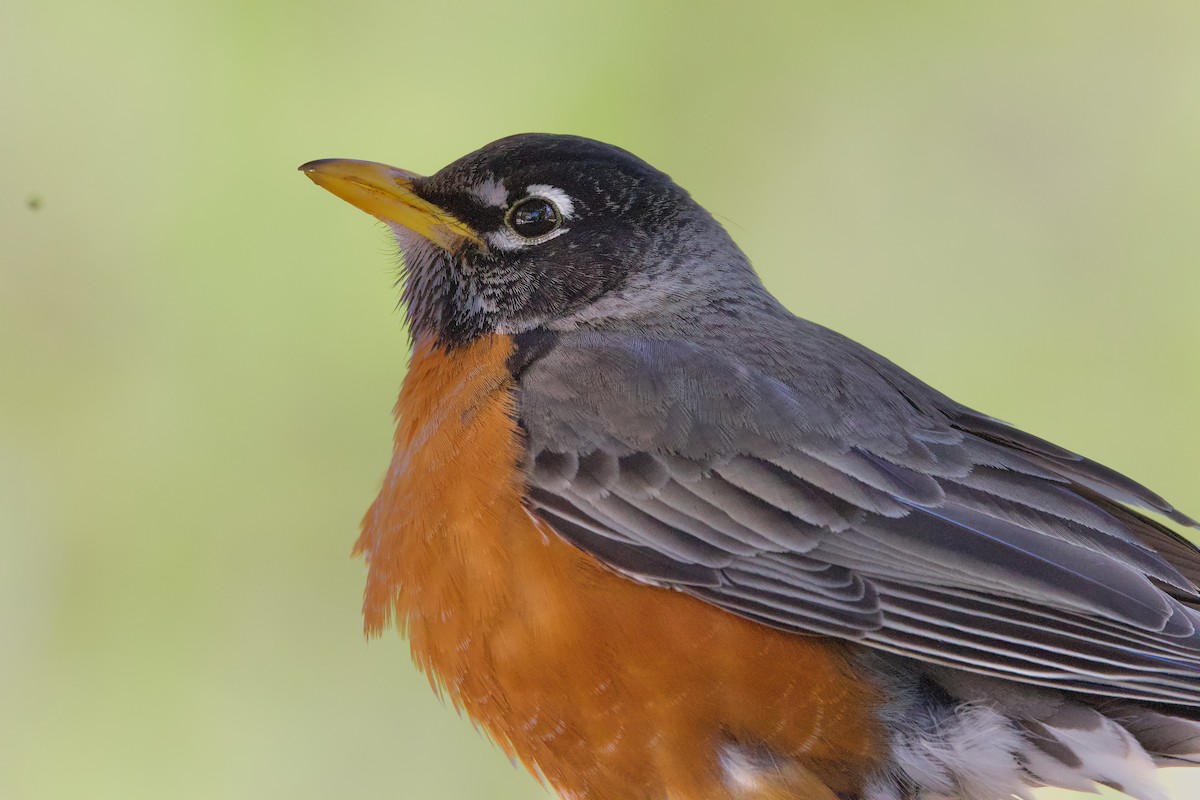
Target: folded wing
(944,535)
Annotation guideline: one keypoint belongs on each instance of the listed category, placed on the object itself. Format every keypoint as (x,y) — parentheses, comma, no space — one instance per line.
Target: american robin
(664,540)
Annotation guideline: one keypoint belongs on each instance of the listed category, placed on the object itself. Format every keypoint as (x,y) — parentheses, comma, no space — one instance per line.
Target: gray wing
(859,504)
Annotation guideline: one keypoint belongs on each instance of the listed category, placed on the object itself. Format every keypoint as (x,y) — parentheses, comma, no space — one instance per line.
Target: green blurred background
(199,349)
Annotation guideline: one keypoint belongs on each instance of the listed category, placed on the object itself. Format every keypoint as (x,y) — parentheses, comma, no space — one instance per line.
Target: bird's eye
(534,217)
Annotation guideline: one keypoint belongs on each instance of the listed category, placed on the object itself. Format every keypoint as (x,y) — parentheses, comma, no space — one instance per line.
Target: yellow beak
(386,192)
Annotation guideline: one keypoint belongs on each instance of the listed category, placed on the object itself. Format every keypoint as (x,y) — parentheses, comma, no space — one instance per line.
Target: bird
(662,539)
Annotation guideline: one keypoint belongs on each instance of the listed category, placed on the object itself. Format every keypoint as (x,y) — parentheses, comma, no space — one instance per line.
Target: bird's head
(539,230)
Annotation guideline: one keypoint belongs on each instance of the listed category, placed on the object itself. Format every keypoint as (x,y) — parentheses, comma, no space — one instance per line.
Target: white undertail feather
(967,737)
(956,735)
(1093,749)
(966,753)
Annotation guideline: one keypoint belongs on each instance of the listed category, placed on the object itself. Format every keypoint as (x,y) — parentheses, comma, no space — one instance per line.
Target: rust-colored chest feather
(607,687)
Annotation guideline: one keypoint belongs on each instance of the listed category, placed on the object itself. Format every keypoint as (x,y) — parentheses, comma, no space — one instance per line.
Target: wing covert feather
(940,534)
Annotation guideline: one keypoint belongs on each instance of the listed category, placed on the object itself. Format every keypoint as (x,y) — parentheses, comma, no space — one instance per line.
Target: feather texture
(942,535)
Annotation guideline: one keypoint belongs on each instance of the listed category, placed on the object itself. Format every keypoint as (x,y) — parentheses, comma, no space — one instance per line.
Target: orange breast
(606,687)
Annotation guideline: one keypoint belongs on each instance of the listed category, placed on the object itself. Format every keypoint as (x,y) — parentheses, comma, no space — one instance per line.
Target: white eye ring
(534,218)
(508,239)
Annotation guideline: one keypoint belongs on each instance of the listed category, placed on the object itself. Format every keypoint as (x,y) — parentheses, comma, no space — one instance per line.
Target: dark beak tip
(312,166)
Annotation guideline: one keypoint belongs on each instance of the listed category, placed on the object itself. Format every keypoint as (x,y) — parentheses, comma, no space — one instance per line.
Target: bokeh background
(199,349)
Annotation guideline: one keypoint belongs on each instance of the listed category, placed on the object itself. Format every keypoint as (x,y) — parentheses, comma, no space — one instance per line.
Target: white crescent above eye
(566,206)
(508,240)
